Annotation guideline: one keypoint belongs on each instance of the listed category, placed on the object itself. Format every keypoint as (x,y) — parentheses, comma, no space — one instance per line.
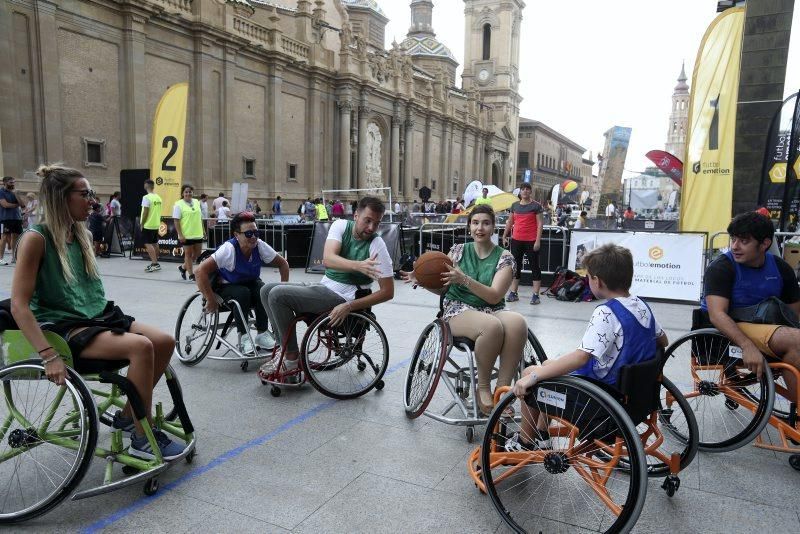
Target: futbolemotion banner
(707,195)
(667,266)
(776,159)
(169,133)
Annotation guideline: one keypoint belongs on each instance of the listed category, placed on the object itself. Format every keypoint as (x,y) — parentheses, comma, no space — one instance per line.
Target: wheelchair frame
(232,307)
(787,425)
(176,423)
(328,338)
(460,380)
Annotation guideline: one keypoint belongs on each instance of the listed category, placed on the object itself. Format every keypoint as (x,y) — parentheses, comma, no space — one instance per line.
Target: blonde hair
(57,182)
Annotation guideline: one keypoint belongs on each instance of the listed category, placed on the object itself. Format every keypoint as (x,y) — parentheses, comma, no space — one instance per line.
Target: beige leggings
(503,333)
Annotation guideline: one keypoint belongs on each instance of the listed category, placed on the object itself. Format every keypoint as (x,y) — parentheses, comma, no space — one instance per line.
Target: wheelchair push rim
(194,331)
(48,434)
(731,405)
(576,479)
(425,368)
(346,361)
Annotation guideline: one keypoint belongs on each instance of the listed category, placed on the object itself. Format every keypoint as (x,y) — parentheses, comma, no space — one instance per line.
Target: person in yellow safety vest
(322,213)
(484,199)
(150,220)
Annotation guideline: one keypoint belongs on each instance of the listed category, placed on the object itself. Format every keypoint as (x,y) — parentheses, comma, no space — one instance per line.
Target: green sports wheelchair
(49,433)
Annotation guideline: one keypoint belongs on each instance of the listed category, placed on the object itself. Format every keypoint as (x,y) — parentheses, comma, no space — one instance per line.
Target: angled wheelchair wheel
(570,478)
(348,360)
(533,353)
(48,435)
(731,405)
(425,368)
(194,330)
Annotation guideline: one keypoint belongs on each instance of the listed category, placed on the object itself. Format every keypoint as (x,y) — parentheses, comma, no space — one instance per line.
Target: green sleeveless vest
(352,249)
(55,300)
(478,269)
(154,214)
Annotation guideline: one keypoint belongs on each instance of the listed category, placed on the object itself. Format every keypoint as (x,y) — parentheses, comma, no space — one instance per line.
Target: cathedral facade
(290,96)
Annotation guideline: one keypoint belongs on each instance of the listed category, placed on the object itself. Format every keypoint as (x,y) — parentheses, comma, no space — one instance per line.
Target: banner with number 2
(169,130)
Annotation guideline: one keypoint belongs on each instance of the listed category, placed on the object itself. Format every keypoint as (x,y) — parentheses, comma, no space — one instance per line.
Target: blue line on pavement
(219,460)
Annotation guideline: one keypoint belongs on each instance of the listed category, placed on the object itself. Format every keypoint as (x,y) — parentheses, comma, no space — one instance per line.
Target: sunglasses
(85,193)
(250,234)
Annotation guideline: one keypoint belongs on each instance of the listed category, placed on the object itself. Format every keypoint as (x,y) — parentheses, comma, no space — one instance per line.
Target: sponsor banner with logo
(169,129)
(667,266)
(169,248)
(707,196)
(776,158)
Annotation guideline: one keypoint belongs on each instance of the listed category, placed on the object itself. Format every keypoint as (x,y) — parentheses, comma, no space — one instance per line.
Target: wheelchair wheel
(346,361)
(731,405)
(570,479)
(533,353)
(48,435)
(676,425)
(194,330)
(425,369)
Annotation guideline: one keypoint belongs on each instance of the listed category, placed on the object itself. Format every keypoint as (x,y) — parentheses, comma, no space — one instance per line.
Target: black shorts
(12,226)
(97,235)
(150,237)
(189,242)
(520,248)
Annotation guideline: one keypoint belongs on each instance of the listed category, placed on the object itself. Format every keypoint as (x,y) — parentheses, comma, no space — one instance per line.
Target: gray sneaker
(245,345)
(140,447)
(265,340)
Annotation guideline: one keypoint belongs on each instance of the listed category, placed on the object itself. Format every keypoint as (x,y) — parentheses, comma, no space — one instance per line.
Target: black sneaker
(124,423)
(182,271)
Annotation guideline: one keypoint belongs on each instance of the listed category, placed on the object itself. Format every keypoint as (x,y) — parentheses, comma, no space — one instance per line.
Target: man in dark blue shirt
(10,218)
(745,276)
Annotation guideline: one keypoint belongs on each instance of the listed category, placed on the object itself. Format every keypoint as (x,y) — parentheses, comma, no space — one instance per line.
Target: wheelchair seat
(464,342)
(85,366)
(639,383)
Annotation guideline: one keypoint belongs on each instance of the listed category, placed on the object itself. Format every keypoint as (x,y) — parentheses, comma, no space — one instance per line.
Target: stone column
(363,115)
(476,159)
(443,158)
(231,164)
(408,157)
(487,170)
(47,32)
(275,164)
(345,108)
(314,122)
(427,167)
(394,177)
(135,153)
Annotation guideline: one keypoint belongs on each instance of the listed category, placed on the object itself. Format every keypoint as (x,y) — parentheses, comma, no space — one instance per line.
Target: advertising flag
(169,129)
(707,197)
(668,164)
(776,158)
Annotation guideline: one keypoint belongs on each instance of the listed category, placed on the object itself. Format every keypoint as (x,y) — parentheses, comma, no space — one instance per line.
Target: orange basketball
(429,267)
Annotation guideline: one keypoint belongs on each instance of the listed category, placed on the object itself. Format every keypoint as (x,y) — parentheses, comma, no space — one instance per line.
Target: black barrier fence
(638,225)
(389,232)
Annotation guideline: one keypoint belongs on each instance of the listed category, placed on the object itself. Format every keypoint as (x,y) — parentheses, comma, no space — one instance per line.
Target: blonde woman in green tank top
(56,280)
(474,306)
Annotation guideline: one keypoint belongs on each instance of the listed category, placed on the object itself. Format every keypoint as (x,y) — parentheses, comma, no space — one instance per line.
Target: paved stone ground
(304,463)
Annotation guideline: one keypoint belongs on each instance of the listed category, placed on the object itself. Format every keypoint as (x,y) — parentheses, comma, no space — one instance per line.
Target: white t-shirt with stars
(603,338)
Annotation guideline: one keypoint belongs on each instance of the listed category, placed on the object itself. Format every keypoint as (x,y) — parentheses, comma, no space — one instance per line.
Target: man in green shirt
(150,220)
(484,199)
(354,256)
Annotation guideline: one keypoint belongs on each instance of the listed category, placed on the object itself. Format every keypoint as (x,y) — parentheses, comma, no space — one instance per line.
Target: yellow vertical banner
(169,133)
(707,196)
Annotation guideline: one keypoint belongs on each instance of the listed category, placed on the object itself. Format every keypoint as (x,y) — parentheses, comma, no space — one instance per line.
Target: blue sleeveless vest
(245,270)
(638,344)
(753,285)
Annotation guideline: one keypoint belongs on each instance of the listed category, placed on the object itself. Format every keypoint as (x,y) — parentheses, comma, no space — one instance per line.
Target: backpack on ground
(567,285)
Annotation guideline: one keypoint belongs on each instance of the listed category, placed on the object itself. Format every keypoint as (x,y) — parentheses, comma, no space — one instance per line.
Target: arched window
(487,41)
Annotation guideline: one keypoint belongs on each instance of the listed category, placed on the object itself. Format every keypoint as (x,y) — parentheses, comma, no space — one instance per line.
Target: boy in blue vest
(622,331)
(744,276)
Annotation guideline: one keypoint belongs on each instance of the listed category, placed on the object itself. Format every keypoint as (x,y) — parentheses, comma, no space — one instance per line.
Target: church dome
(426,45)
(366,4)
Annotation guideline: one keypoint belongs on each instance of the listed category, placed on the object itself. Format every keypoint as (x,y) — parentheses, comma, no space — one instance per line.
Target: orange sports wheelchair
(589,469)
(732,405)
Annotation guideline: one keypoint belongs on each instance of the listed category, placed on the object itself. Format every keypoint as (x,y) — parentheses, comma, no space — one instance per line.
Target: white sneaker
(271,366)
(245,345)
(265,340)
(3,262)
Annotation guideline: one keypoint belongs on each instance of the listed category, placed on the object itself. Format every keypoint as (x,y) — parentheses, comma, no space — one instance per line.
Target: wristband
(44,349)
(51,360)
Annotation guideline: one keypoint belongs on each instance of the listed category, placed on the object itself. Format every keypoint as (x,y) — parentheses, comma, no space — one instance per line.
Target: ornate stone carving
(345,106)
(374,146)
(345,37)
(379,67)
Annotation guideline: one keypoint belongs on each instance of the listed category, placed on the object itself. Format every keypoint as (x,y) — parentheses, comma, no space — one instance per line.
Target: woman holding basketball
(474,306)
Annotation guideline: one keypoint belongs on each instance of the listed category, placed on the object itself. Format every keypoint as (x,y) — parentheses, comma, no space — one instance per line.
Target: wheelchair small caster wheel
(731,404)
(361,366)
(128,470)
(379,385)
(671,485)
(151,487)
(244,366)
(794,461)
(190,457)
(275,391)
(470,432)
